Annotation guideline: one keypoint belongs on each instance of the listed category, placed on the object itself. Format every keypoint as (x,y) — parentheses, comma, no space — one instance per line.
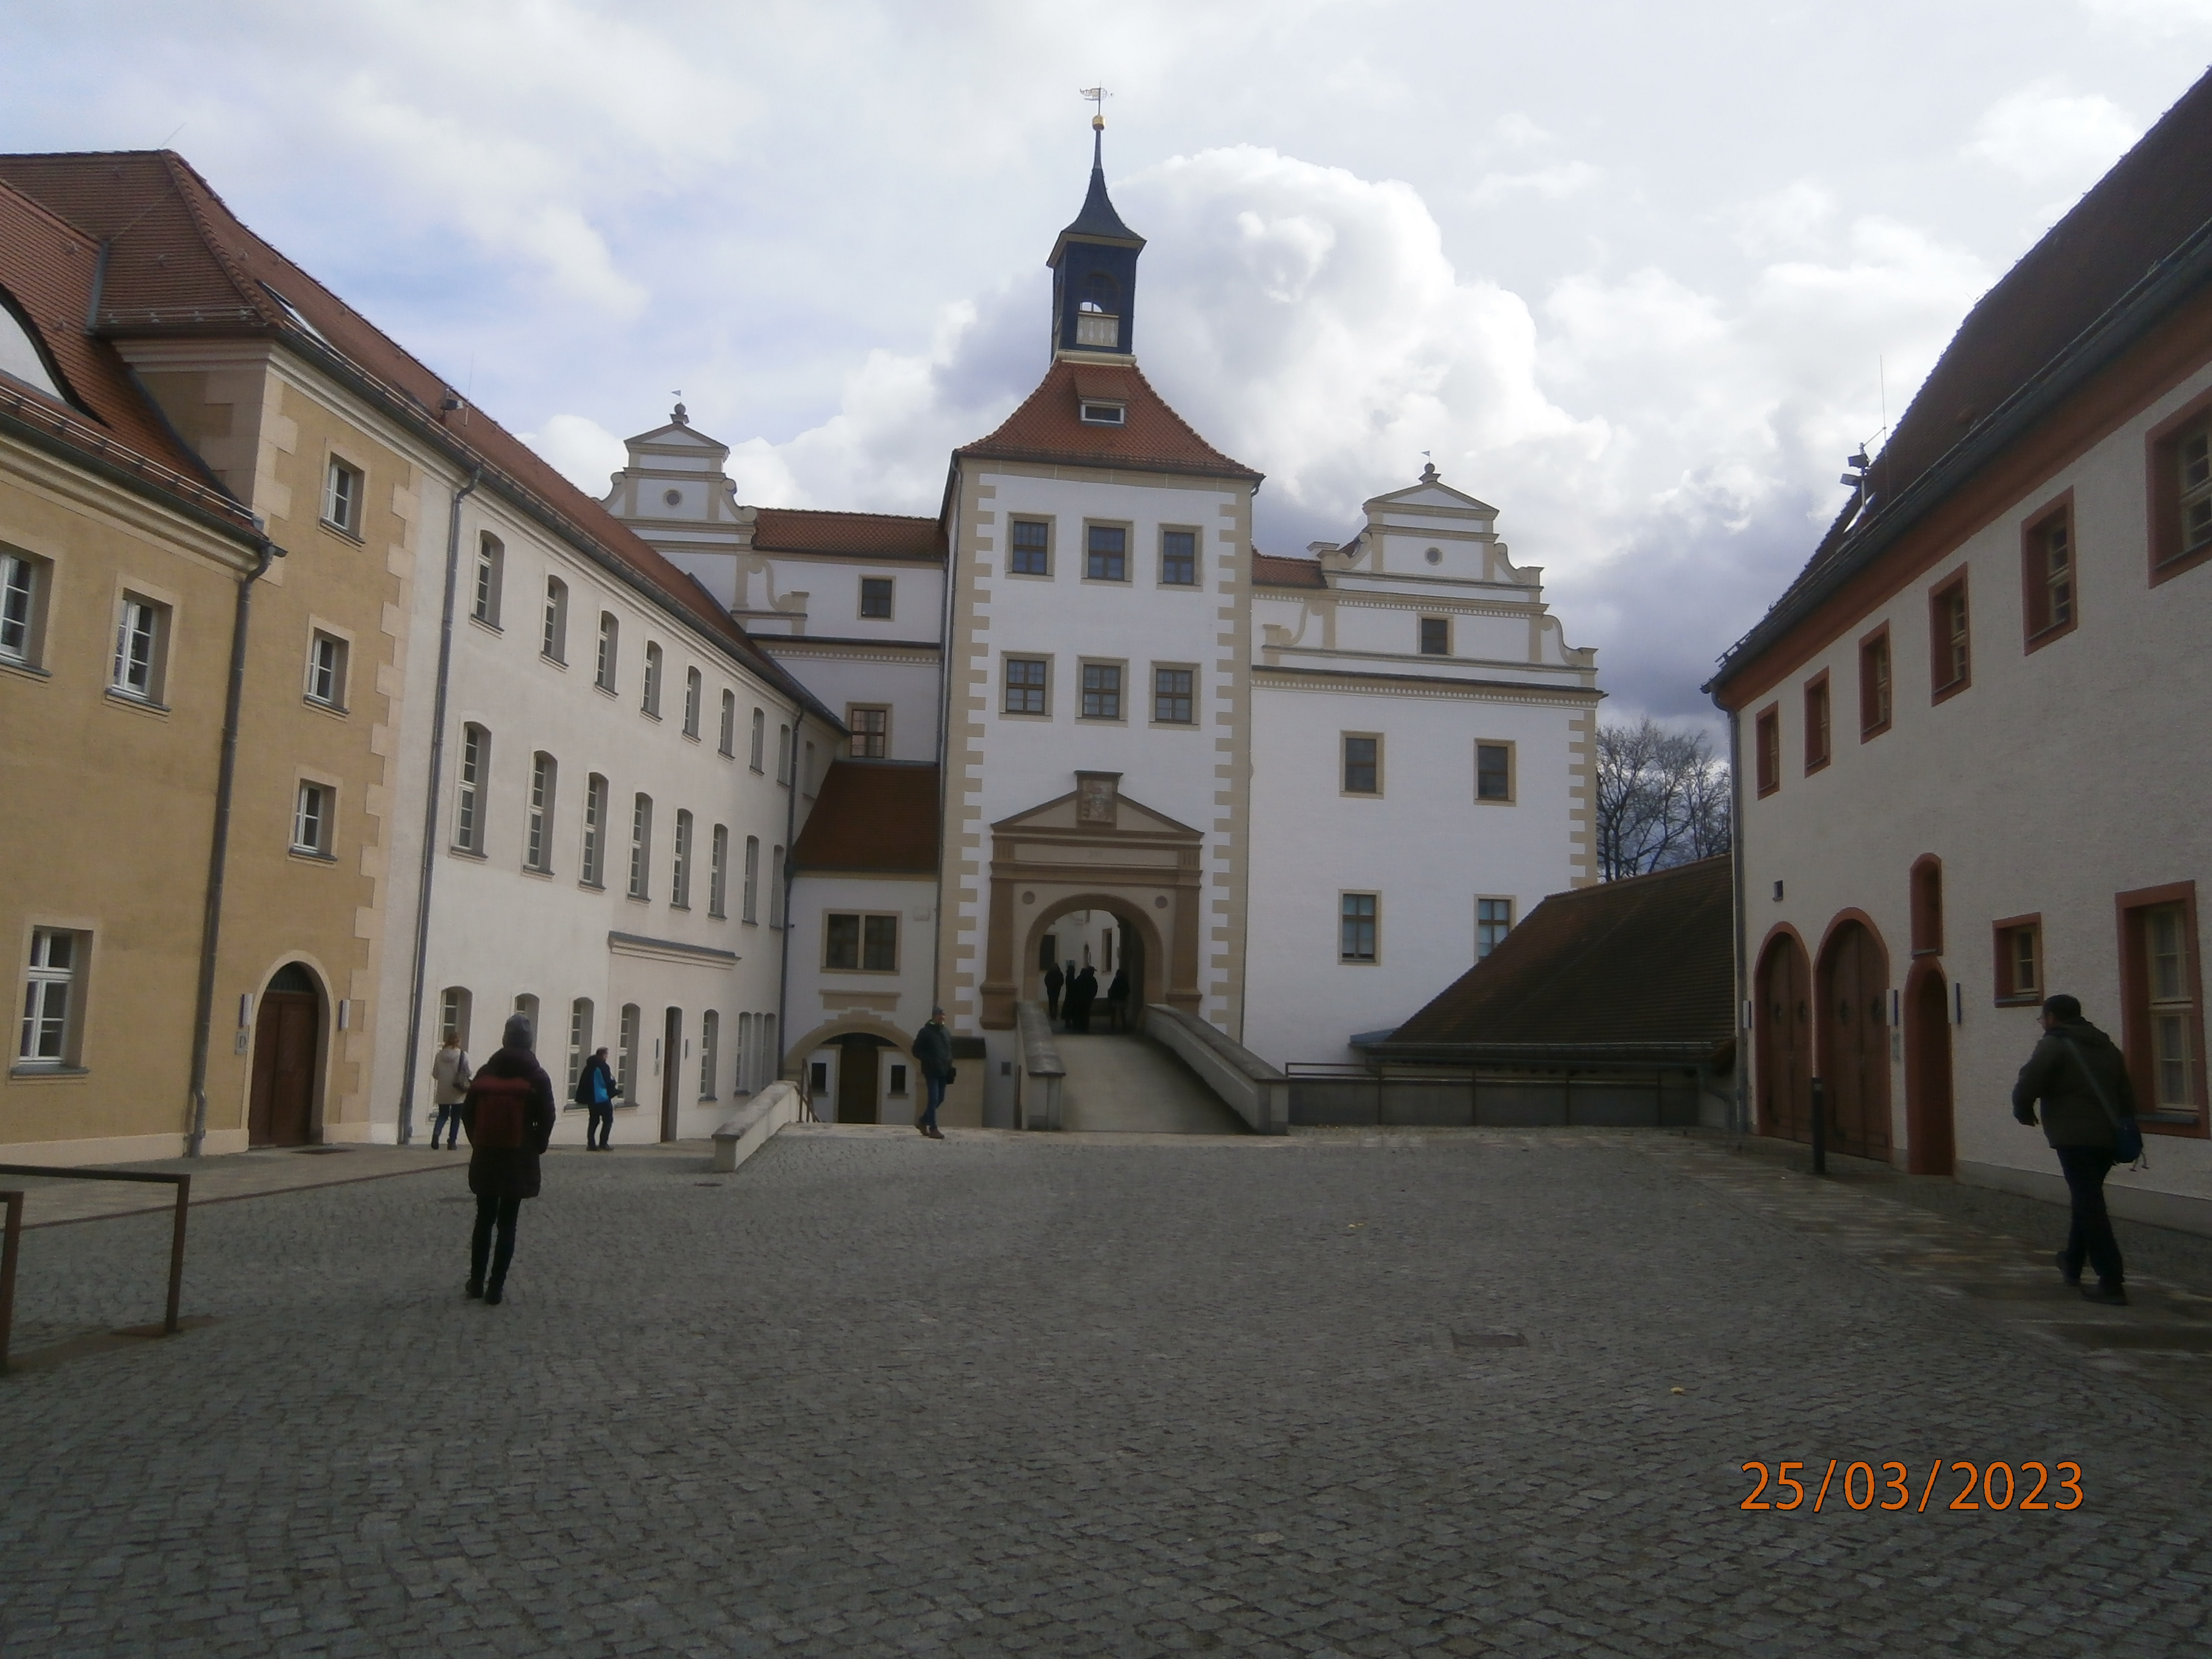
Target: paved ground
(876,1394)
(49,1200)
(1130,1085)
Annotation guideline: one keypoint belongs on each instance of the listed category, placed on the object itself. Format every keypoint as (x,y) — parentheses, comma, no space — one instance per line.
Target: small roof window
(292,312)
(1098,414)
(19,356)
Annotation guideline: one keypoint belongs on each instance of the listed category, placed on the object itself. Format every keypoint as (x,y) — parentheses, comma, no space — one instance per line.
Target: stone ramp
(1130,1085)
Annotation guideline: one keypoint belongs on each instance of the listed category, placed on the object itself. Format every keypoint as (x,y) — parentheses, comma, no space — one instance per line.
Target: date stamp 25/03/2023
(2031,1485)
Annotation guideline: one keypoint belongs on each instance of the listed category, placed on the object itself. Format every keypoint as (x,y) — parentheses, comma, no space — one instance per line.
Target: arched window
(554,642)
(469,789)
(579,1039)
(455,1004)
(595,830)
(641,847)
(751,910)
(743,1083)
(783,754)
(760,728)
(527,1005)
(718,872)
(610,641)
(491,561)
(710,1044)
(775,890)
(694,693)
(651,702)
(1927,906)
(679,882)
(626,1056)
(537,834)
(728,746)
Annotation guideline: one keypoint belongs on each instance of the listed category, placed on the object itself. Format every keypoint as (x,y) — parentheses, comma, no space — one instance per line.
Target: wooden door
(671,1072)
(1785,1042)
(1854,1041)
(857,1100)
(1931,1146)
(287,1032)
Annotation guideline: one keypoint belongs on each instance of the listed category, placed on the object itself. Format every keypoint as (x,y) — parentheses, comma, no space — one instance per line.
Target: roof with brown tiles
(180,263)
(1274,570)
(1639,967)
(863,535)
(1152,438)
(872,817)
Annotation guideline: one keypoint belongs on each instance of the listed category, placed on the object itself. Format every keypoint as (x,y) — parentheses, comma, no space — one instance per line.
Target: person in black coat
(1117,999)
(595,1093)
(1084,993)
(2080,1077)
(509,1114)
(1054,979)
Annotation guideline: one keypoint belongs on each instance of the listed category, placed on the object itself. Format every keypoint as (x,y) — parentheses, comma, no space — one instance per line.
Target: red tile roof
(877,817)
(1273,570)
(1152,438)
(1643,968)
(865,535)
(181,263)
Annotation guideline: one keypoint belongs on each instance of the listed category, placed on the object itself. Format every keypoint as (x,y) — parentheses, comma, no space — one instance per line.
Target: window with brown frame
(872,731)
(1816,723)
(2181,495)
(2019,962)
(2046,575)
(1874,687)
(1950,644)
(1927,906)
(2162,1004)
(1769,744)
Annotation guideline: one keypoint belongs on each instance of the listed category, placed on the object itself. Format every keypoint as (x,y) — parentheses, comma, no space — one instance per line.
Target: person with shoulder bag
(595,1093)
(2089,1119)
(509,1114)
(449,1084)
(932,1052)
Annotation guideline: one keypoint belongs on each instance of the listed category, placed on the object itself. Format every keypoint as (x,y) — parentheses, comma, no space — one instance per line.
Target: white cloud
(1552,183)
(1795,219)
(2047,135)
(2156,18)
(580,449)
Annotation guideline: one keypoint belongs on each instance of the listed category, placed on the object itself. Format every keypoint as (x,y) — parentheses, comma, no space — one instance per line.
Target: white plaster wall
(2056,780)
(832,586)
(1425,846)
(819,996)
(909,684)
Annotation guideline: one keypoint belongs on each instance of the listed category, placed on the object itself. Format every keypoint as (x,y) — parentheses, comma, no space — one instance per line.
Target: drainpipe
(783,898)
(219,846)
(406,1133)
(1742,967)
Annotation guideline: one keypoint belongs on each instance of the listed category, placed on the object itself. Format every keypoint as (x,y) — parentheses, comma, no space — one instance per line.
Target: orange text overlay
(1893,1486)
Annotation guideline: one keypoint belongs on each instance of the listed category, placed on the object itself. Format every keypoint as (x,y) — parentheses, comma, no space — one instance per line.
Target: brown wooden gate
(1931,1142)
(1853,1029)
(287,1041)
(858,1075)
(1785,1042)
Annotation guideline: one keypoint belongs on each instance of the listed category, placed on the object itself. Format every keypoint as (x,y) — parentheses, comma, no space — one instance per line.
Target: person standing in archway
(1054,979)
(932,1052)
(1117,999)
(1084,993)
(2089,1119)
(509,1114)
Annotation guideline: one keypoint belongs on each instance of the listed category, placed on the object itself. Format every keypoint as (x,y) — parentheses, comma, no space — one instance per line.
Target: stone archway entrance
(1124,933)
(288,1029)
(1093,849)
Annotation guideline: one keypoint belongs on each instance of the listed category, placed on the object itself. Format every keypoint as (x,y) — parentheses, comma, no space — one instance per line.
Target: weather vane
(1097,95)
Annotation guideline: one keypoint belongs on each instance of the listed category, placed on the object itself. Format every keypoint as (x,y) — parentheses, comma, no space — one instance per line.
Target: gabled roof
(865,535)
(1152,438)
(1640,969)
(2129,251)
(1432,491)
(181,263)
(1273,570)
(871,818)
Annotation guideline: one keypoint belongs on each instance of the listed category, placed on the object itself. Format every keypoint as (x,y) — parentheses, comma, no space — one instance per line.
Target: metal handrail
(13,1242)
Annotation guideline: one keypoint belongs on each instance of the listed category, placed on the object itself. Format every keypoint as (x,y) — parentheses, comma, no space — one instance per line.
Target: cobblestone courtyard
(1001,1395)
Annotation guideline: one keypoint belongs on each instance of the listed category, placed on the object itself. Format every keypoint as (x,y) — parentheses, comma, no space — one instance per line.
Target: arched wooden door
(1932,1143)
(286,1047)
(1785,1042)
(1854,1041)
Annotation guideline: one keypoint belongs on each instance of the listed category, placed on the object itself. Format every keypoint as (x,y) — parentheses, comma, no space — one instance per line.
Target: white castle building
(1091,722)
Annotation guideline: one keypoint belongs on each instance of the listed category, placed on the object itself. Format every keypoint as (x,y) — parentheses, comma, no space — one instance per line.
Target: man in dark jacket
(509,1115)
(2082,1081)
(932,1052)
(1117,999)
(1054,979)
(595,1093)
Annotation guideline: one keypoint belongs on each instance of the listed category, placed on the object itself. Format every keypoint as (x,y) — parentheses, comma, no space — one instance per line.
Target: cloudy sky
(1640,276)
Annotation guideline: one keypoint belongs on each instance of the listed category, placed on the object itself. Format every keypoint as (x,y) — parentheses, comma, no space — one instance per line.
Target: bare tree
(1662,798)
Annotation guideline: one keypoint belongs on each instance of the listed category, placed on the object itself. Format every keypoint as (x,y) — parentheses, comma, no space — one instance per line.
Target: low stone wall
(1037,1085)
(755,1123)
(1672,1101)
(1248,1086)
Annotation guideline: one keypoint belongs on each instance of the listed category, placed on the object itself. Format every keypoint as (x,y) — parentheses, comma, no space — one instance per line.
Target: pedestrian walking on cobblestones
(2088,1118)
(595,1093)
(509,1113)
(932,1052)
(449,1079)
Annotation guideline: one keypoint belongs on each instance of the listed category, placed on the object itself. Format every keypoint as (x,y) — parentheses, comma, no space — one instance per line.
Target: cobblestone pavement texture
(51,1200)
(876,1394)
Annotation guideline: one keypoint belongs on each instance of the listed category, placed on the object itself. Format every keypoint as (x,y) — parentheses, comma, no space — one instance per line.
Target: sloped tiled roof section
(861,535)
(48,267)
(872,817)
(1644,966)
(2157,197)
(180,263)
(1049,428)
(1273,570)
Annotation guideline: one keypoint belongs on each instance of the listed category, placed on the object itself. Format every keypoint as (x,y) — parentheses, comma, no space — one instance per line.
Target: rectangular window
(455,1006)
(1363,763)
(23,583)
(863,944)
(1106,558)
(141,643)
(2020,961)
(1493,772)
(751,912)
(537,833)
(311,819)
(679,880)
(2046,570)
(553,639)
(2163,1022)
(47,1037)
(610,640)
(1091,329)
(876,597)
(840,942)
(341,494)
(1101,691)
(650,702)
(783,755)
(718,872)
(710,1044)
(469,787)
(326,670)
(695,697)
(776,887)
(1874,684)
(727,744)
(1769,743)
(1435,636)
(1030,549)
(2194,476)
(2181,495)
(1816,723)
(1025,684)
(595,820)
(1493,919)
(871,732)
(1951,661)
(483,602)
(1171,695)
(641,847)
(1359,920)
(879,944)
(1178,558)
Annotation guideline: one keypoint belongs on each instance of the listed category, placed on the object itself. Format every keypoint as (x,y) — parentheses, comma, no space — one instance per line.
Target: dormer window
(1101,414)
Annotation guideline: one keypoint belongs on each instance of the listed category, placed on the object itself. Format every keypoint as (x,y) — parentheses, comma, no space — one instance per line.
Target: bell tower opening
(1094,271)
